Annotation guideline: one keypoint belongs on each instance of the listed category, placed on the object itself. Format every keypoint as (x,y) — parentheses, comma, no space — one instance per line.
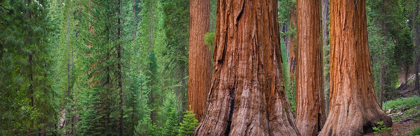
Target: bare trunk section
(120,86)
(326,81)
(247,95)
(310,116)
(92,81)
(199,60)
(292,42)
(284,29)
(68,77)
(31,78)
(354,107)
(153,112)
(416,40)
(134,21)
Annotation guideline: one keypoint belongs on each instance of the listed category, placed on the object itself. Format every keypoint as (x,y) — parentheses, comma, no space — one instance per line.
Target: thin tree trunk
(310,110)
(382,84)
(247,95)
(354,107)
(31,78)
(91,73)
(406,70)
(134,21)
(120,70)
(68,73)
(325,13)
(292,51)
(153,112)
(416,42)
(184,85)
(199,57)
(286,40)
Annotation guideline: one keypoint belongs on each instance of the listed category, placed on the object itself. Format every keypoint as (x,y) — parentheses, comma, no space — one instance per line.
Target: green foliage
(402,103)
(413,113)
(146,128)
(416,131)
(74,70)
(286,82)
(27,97)
(170,115)
(188,124)
(381,127)
(390,45)
(209,40)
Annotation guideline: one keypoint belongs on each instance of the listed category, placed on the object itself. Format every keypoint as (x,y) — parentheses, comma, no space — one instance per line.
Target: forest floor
(398,129)
(406,119)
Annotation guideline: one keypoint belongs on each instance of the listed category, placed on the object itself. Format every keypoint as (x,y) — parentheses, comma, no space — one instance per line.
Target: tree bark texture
(247,95)
(310,115)
(199,59)
(354,107)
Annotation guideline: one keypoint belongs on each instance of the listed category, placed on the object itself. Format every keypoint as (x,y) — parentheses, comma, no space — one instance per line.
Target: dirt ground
(398,129)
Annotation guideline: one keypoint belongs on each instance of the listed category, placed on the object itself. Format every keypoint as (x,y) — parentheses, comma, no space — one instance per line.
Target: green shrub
(188,124)
(381,127)
(209,40)
(402,103)
(416,131)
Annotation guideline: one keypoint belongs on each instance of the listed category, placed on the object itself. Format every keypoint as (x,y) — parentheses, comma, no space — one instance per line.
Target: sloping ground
(406,90)
(404,121)
(405,111)
(398,129)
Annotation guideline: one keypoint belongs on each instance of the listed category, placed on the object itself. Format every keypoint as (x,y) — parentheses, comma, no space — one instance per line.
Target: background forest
(120,67)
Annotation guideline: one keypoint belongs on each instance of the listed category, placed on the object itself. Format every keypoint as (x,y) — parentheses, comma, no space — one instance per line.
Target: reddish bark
(310,115)
(354,108)
(247,95)
(199,70)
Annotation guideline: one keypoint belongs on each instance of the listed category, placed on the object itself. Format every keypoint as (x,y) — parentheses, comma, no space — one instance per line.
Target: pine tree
(27,96)
(188,124)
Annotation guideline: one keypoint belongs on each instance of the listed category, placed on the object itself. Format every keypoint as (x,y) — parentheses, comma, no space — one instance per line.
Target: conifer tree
(188,124)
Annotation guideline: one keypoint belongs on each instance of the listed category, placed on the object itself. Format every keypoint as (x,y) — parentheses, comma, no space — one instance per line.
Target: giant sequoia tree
(247,95)
(309,93)
(199,60)
(354,107)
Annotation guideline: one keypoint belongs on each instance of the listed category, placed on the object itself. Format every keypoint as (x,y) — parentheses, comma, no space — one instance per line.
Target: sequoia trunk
(247,95)
(199,57)
(309,93)
(354,107)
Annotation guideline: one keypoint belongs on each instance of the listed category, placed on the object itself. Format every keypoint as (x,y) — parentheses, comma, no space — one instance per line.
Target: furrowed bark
(310,115)
(199,70)
(247,95)
(354,107)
